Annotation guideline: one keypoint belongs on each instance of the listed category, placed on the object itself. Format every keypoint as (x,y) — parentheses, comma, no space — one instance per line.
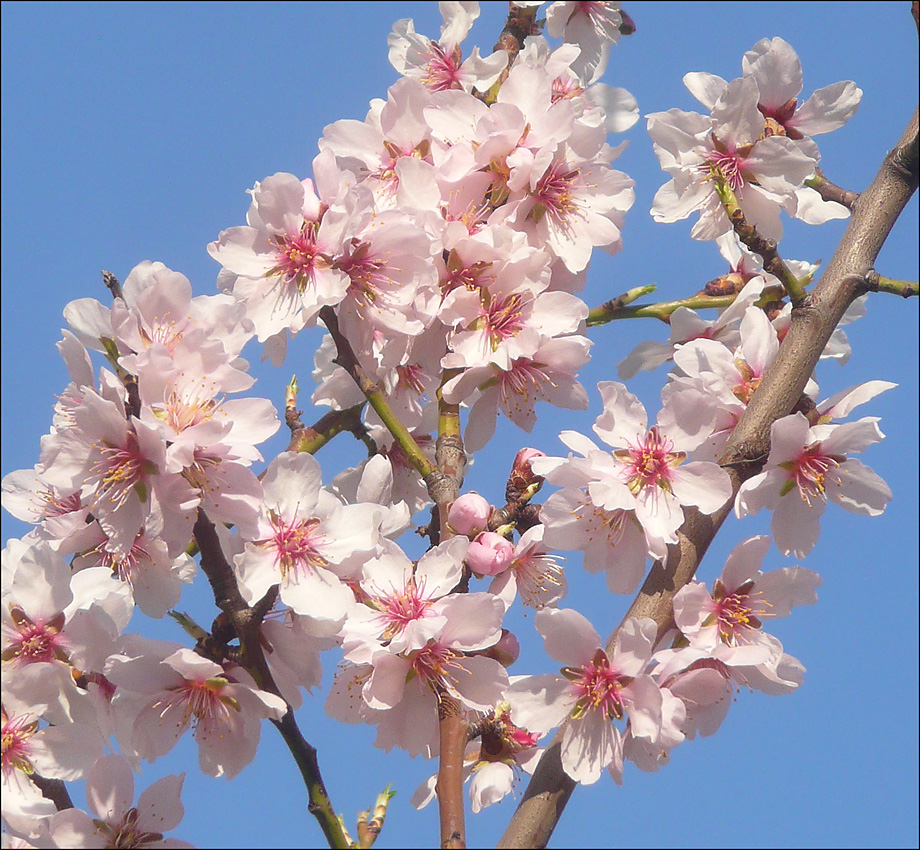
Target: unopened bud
(523,480)
(489,554)
(506,651)
(469,514)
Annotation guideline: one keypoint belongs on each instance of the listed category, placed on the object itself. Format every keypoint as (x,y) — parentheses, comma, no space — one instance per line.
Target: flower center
(810,472)
(34,640)
(120,470)
(735,612)
(295,543)
(729,164)
(14,744)
(365,273)
(598,686)
(400,609)
(298,258)
(442,70)
(554,193)
(650,463)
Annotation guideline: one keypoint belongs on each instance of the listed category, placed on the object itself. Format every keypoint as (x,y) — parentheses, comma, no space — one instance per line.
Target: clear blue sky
(131,132)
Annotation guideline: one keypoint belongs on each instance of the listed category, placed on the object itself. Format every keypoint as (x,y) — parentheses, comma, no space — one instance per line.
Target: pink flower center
(598,686)
(200,700)
(53,505)
(120,470)
(411,378)
(536,573)
(186,409)
(365,273)
(810,472)
(125,567)
(298,258)
(400,609)
(433,665)
(650,463)
(15,746)
(501,318)
(296,543)
(442,71)
(566,88)
(735,612)
(125,835)
(526,379)
(34,640)
(474,276)
(729,163)
(554,194)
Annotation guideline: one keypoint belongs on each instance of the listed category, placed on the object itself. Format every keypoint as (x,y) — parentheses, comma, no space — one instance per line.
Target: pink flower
(117,822)
(594,689)
(806,467)
(163,690)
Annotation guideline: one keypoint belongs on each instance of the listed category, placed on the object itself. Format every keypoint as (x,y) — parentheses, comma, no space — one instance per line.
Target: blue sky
(131,132)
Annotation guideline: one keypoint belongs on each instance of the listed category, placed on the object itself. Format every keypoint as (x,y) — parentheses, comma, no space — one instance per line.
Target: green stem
(304,755)
(747,233)
(904,288)
(663,310)
(375,396)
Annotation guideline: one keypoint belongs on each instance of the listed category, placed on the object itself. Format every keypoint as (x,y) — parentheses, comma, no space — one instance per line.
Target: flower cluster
(441,242)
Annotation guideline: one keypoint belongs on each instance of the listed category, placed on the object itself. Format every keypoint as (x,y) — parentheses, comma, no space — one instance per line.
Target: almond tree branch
(813,322)
(376,397)
(619,309)
(747,233)
(831,191)
(452,727)
(905,288)
(247,623)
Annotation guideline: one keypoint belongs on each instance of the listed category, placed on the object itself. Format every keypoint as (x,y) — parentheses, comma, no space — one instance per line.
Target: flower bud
(523,480)
(506,651)
(469,514)
(489,554)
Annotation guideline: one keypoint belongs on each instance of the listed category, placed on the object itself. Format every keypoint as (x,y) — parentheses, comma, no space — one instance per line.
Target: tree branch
(831,191)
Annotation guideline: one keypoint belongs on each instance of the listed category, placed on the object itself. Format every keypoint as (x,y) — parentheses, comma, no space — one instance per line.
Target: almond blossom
(439,65)
(593,690)
(809,465)
(163,689)
(117,822)
(763,171)
(307,541)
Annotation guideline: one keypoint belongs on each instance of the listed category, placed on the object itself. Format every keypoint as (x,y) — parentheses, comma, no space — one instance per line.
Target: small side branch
(905,288)
(614,309)
(764,248)
(375,396)
(831,191)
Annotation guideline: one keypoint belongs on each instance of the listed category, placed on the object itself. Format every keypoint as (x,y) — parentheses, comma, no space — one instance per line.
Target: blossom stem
(905,288)
(305,756)
(747,233)
(615,309)
(377,399)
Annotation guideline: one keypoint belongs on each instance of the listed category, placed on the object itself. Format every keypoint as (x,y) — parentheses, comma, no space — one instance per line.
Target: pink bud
(489,554)
(522,476)
(506,651)
(469,514)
